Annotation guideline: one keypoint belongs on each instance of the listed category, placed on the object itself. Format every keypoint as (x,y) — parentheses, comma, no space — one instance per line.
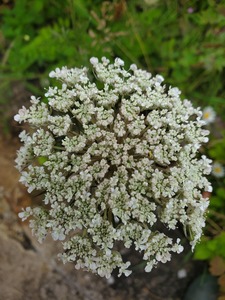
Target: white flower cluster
(115,153)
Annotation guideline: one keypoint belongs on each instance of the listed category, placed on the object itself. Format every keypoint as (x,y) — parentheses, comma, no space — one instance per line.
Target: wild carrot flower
(119,153)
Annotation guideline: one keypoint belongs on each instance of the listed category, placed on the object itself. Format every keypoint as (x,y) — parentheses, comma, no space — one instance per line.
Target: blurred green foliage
(217,150)
(213,243)
(210,248)
(182,40)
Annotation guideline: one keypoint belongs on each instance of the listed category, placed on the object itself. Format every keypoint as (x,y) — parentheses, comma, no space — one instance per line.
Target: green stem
(110,215)
(58,148)
(84,232)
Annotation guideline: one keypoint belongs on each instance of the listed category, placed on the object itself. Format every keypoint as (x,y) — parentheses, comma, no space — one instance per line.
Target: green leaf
(202,252)
(42,160)
(208,249)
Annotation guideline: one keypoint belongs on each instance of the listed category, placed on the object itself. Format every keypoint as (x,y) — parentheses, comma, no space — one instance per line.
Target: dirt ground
(29,270)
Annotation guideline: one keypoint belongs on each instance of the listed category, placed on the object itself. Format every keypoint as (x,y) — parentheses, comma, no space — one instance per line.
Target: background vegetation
(182,40)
